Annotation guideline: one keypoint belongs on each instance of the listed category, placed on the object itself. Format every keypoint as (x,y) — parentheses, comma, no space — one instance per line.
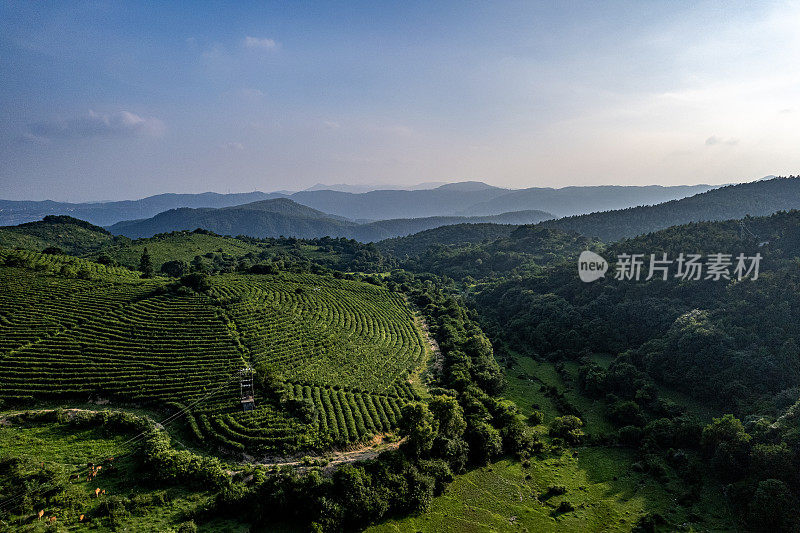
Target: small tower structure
(246,388)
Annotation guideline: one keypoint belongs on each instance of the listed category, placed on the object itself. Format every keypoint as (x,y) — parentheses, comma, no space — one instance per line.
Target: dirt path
(438,358)
(361,452)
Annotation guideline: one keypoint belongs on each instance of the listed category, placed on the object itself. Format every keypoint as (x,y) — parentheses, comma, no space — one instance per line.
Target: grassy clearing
(66,447)
(600,481)
(526,378)
(508,497)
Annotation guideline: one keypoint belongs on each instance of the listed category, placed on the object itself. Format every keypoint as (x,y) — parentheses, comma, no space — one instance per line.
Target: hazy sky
(112,100)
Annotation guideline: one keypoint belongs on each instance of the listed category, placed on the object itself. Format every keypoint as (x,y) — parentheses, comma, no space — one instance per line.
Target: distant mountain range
(105,213)
(763,197)
(455,199)
(344,187)
(409,237)
(285,217)
(758,198)
(579,200)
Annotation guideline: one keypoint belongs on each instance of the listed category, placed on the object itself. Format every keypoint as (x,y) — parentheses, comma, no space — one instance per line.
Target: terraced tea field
(349,348)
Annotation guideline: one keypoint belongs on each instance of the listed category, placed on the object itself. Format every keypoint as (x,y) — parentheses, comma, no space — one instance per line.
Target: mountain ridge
(469,198)
(285,217)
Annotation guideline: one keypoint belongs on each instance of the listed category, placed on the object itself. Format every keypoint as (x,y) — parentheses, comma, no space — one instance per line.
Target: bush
(188,527)
(565,507)
(536,418)
(197,281)
(175,269)
(772,507)
(568,428)
(630,436)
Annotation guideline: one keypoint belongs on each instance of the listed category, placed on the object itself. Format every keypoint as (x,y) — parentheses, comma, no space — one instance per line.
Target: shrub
(773,507)
(565,507)
(197,281)
(536,418)
(568,428)
(175,269)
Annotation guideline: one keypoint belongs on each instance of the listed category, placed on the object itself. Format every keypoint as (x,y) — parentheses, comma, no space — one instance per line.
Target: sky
(119,100)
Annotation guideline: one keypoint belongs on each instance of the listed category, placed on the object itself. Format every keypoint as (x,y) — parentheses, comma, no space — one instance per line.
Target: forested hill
(522,252)
(68,234)
(268,218)
(452,235)
(641,345)
(284,217)
(734,201)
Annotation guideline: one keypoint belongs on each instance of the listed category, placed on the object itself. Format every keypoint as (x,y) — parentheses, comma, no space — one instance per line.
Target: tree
(536,417)
(197,281)
(449,415)
(104,259)
(360,502)
(773,461)
(418,424)
(270,382)
(728,445)
(484,442)
(516,438)
(175,269)
(304,409)
(146,264)
(568,428)
(772,507)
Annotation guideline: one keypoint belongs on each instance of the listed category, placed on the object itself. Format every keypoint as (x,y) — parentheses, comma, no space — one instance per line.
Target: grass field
(63,447)
(600,482)
(349,348)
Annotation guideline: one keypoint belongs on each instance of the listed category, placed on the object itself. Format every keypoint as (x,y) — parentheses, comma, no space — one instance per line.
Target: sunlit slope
(347,347)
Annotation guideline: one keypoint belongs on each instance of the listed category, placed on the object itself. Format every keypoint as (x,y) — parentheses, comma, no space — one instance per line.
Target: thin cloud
(119,124)
(256,43)
(233,146)
(714,140)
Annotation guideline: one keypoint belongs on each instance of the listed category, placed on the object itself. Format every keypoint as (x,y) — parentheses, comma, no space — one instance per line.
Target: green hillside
(346,348)
(68,234)
(202,249)
(180,246)
(267,218)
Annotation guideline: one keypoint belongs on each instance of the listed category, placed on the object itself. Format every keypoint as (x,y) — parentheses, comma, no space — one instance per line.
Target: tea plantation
(75,329)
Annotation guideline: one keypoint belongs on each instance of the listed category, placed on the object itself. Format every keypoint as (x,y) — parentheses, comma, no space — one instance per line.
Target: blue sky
(110,100)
